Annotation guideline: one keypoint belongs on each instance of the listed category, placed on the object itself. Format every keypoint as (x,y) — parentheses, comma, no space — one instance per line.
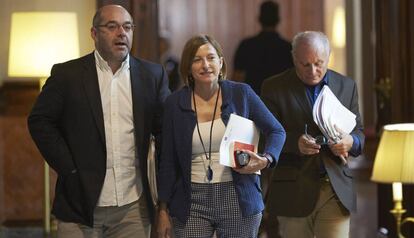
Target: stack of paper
(329,114)
(238,130)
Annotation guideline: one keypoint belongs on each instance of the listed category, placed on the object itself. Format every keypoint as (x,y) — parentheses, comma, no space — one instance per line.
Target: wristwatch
(269,159)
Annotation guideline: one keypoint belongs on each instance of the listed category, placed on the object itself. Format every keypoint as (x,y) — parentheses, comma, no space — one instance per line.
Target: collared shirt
(313,92)
(122,183)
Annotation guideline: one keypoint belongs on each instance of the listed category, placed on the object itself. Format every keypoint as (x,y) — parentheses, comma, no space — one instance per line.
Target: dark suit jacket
(294,188)
(67,126)
(174,185)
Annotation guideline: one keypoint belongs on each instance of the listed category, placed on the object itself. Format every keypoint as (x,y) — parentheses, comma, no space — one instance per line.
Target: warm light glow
(338,28)
(397,193)
(394,161)
(332,60)
(40,39)
(400,127)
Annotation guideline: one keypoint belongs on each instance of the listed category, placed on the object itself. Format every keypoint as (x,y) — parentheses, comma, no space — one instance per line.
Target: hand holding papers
(332,118)
(328,112)
(239,131)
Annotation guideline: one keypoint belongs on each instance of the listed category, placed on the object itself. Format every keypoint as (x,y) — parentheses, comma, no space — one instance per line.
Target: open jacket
(67,125)
(174,177)
(296,180)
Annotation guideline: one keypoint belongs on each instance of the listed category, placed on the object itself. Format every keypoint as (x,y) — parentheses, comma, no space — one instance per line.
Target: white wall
(84,8)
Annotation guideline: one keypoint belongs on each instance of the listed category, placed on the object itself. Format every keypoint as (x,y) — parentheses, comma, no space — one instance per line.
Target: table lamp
(37,41)
(394,163)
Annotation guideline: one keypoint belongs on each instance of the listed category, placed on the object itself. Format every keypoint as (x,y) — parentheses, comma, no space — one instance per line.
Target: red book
(241,146)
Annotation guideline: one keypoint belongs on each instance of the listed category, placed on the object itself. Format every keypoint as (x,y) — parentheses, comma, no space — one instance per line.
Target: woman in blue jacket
(195,190)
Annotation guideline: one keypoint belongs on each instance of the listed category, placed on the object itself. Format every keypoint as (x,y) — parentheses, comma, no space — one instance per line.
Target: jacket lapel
(227,96)
(138,100)
(299,93)
(333,84)
(184,128)
(91,84)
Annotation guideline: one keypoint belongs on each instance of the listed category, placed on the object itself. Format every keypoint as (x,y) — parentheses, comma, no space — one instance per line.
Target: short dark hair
(269,14)
(189,51)
(97,18)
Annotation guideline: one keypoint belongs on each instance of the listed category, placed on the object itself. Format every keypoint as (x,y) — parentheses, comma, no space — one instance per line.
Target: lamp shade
(40,39)
(394,161)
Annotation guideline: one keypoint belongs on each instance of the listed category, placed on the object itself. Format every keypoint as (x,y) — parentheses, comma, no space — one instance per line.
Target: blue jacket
(174,175)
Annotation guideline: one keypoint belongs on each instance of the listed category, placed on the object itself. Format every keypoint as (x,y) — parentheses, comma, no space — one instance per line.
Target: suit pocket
(348,172)
(285,174)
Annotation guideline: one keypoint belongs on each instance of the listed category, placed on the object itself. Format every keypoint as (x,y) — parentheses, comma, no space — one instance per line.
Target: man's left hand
(341,147)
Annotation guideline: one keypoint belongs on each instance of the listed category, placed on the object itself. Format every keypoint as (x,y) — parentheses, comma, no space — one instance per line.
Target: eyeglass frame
(117,26)
(319,139)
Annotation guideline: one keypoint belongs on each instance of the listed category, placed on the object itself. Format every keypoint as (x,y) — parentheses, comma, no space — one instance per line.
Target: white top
(199,162)
(122,183)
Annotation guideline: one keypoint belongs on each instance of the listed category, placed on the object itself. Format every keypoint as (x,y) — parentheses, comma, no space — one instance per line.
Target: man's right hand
(163,224)
(307,145)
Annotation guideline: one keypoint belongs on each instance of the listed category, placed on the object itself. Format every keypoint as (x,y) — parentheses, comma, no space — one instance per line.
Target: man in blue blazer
(311,190)
(92,123)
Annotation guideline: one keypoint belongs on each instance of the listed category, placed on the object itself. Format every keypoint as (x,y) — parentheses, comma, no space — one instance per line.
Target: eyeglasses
(114,26)
(319,140)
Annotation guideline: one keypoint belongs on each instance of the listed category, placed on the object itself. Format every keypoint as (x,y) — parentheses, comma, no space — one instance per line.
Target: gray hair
(317,40)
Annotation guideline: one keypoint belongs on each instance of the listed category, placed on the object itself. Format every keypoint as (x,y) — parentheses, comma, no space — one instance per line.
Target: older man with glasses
(311,191)
(92,123)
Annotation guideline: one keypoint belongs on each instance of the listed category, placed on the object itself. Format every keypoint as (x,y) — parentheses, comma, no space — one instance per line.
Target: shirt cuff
(356,146)
(269,158)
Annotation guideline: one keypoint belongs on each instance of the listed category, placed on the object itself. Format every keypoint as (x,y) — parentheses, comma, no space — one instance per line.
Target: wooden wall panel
(21,172)
(301,15)
(2,149)
(368,66)
(229,21)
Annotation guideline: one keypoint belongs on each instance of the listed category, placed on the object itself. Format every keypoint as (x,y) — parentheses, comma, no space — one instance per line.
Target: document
(241,130)
(329,114)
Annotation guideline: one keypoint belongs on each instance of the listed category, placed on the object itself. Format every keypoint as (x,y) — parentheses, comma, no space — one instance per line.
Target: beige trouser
(131,220)
(329,218)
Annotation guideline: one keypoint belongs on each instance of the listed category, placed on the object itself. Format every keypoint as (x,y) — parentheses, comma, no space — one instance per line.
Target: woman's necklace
(209,171)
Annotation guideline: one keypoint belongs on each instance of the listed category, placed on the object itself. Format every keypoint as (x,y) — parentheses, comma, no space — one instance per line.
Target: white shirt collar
(103,65)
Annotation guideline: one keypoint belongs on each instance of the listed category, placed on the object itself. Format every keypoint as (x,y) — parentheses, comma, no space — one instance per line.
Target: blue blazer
(174,176)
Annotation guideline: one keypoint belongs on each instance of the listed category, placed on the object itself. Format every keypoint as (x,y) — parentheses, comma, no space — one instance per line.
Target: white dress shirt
(122,183)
